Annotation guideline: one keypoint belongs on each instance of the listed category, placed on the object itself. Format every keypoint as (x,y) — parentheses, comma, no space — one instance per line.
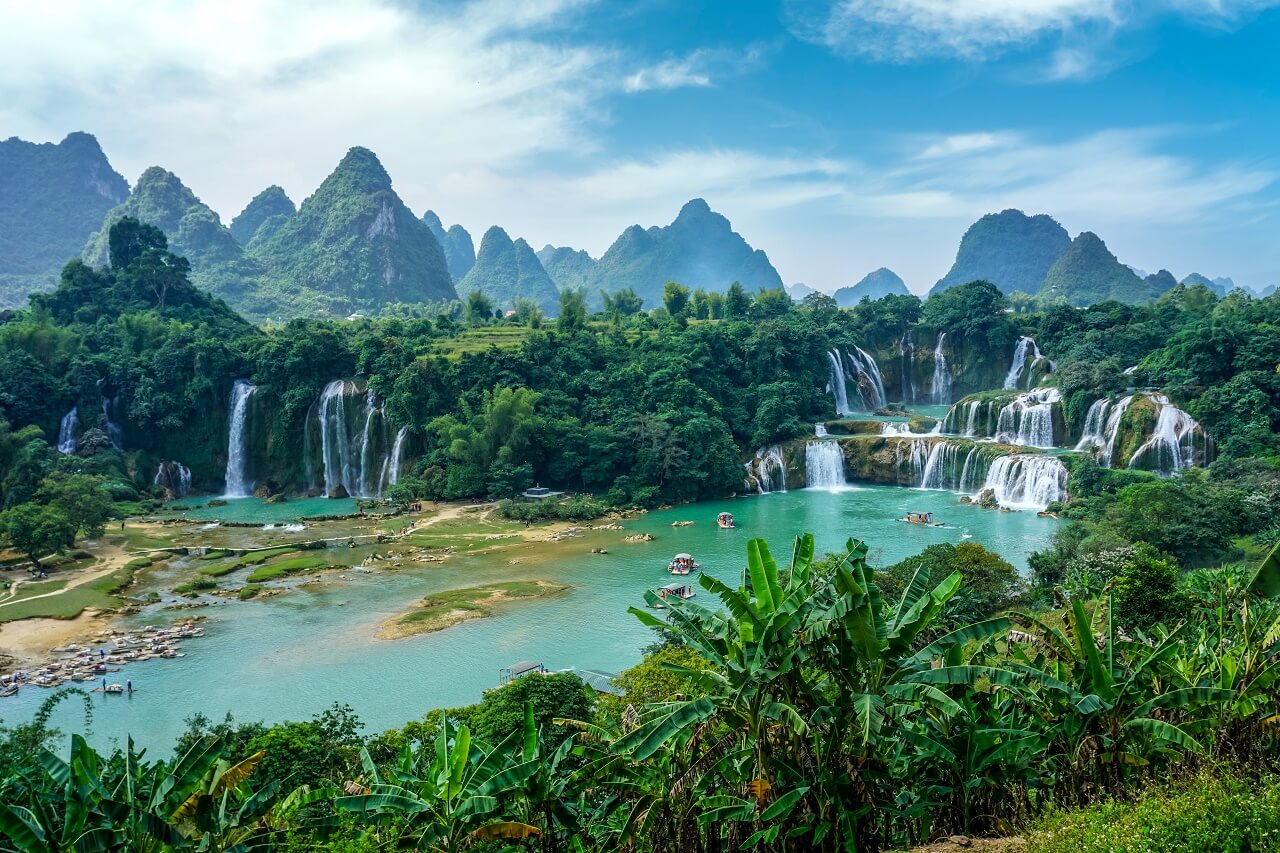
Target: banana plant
(447,795)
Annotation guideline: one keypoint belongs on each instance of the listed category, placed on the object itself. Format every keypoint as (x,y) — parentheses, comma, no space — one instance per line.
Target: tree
(37,530)
(479,310)
(81,498)
(737,302)
(128,240)
(573,310)
(1148,590)
(559,696)
(622,303)
(675,298)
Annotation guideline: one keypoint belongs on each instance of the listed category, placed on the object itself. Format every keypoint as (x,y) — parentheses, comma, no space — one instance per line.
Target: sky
(837,135)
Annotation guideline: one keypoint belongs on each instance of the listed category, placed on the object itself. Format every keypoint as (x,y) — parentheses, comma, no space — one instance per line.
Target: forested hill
(1011,250)
(698,249)
(52,197)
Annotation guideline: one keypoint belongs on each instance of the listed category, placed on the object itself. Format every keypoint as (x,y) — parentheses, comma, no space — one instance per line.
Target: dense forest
(826,704)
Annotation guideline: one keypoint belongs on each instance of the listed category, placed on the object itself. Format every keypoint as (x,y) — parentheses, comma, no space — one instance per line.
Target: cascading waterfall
(1025,344)
(1028,420)
(114,432)
(237,444)
(1026,481)
(1112,431)
(355,445)
(941,389)
(820,430)
(69,433)
(766,471)
(174,478)
(824,465)
(914,452)
(838,389)
(907,351)
(1171,445)
(1095,425)
(867,375)
(391,469)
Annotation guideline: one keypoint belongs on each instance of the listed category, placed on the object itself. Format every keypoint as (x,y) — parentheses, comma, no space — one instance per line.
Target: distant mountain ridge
(52,198)
(194,230)
(1087,273)
(1011,250)
(459,251)
(699,249)
(874,285)
(507,270)
(569,268)
(262,216)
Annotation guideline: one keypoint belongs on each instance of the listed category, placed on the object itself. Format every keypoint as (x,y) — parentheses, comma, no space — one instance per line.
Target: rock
(277,498)
(338,491)
(217,502)
(682,524)
(960,840)
(639,537)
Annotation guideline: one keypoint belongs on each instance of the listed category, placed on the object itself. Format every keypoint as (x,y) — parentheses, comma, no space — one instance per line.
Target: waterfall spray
(907,350)
(941,389)
(69,433)
(766,471)
(838,389)
(824,465)
(1025,481)
(1028,420)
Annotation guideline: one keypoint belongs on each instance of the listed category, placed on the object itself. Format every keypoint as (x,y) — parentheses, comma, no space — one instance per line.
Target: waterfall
(766,471)
(1020,360)
(355,443)
(1024,481)
(941,372)
(114,432)
(824,465)
(1113,431)
(391,468)
(1028,420)
(932,477)
(1095,425)
(174,478)
(838,388)
(907,350)
(69,432)
(820,430)
(915,452)
(870,383)
(1171,445)
(237,455)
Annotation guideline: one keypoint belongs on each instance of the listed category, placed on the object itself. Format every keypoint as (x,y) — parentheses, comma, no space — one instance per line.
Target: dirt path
(114,558)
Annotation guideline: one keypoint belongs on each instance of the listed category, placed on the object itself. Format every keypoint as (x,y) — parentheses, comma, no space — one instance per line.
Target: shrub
(1211,813)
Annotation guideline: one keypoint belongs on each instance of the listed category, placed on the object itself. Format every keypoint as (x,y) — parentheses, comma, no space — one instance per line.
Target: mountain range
(353,246)
(51,198)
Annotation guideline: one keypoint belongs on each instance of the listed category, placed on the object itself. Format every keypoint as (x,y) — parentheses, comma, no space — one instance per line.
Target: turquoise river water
(290,656)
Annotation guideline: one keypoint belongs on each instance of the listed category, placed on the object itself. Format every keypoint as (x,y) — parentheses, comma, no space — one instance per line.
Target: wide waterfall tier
(69,432)
(1030,419)
(1145,431)
(940,388)
(766,471)
(237,479)
(1026,481)
(1029,365)
(856,369)
(824,466)
(174,478)
(348,429)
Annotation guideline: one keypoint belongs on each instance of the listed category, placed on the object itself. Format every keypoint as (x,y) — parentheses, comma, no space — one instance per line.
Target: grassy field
(478,340)
(100,594)
(284,568)
(441,610)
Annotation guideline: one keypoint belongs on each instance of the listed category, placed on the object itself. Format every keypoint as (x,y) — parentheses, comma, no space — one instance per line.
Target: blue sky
(837,136)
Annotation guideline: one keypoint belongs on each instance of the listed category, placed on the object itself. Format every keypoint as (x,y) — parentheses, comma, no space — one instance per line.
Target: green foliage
(1208,813)
(1087,273)
(37,530)
(272,206)
(579,508)
(991,584)
(1147,590)
(558,696)
(506,272)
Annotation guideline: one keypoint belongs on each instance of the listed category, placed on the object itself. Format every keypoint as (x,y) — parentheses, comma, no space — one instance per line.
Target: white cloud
(978,30)
(235,96)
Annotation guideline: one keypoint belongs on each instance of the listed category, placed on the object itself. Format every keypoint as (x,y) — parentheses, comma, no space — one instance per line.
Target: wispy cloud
(979,30)
(701,68)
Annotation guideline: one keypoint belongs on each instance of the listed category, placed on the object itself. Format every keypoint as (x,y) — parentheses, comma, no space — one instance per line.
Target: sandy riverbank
(28,643)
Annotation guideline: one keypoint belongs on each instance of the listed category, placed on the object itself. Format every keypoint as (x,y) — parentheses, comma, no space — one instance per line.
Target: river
(287,657)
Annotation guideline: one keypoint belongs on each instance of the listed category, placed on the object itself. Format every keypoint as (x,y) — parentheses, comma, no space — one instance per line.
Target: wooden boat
(925,518)
(674,590)
(725,520)
(682,564)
